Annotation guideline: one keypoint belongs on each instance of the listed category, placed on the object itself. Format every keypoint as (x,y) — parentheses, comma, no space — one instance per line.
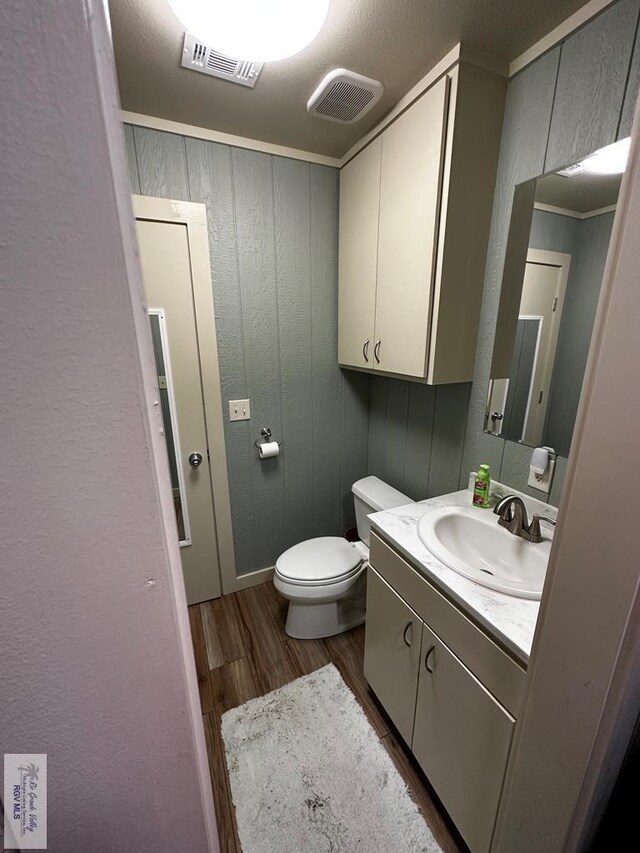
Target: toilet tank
(372,495)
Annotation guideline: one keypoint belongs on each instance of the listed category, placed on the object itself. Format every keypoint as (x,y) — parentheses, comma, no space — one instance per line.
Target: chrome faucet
(513,515)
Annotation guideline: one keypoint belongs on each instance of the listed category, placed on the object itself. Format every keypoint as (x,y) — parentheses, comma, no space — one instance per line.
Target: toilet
(325,578)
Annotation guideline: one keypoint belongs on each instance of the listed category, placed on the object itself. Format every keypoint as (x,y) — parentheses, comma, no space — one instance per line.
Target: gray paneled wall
(273,241)
(578,97)
(576,325)
(416,435)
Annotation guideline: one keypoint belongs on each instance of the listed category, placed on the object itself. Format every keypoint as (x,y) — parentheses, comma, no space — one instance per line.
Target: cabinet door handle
(365,350)
(404,634)
(376,351)
(426,659)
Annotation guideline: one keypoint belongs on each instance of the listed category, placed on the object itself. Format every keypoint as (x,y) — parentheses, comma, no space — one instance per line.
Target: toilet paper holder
(265,436)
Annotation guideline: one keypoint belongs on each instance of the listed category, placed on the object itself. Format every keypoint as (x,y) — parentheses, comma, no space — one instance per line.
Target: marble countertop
(510,620)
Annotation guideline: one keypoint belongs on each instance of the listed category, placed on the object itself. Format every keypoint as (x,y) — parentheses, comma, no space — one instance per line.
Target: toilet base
(315,621)
(341,609)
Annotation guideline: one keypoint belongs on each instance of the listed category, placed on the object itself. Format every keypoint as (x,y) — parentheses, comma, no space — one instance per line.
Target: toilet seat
(319,562)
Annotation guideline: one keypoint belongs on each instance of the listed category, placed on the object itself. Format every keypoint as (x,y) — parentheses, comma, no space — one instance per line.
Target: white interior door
(543,292)
(497,399)
(168,273)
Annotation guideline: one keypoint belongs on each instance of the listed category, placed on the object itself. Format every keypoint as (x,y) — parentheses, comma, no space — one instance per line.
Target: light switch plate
(542,483)
(239,410)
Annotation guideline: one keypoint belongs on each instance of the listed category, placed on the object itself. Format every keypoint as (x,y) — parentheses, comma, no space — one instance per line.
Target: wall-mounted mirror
(558,242)
(157,323)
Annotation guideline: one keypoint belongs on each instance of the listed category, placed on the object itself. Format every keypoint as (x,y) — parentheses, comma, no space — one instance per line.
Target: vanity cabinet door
(461,738)
(392,652)
(358,257)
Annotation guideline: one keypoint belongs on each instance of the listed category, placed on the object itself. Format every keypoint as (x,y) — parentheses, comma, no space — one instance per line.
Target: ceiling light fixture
(258,30)
(611,160)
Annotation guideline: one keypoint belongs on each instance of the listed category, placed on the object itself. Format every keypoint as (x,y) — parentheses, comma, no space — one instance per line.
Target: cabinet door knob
(426,659)
(404,634)
(365,350)
(376,351)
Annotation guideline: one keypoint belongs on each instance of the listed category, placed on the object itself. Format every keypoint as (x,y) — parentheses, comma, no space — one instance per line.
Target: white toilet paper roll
(268,449)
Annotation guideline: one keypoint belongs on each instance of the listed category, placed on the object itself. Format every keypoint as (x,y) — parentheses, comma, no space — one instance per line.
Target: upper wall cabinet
(415,211)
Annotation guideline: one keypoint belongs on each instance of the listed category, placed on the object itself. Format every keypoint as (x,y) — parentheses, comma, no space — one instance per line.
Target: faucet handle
(535,534)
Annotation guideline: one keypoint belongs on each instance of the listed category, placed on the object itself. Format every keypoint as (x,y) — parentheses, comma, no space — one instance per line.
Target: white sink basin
(471,542)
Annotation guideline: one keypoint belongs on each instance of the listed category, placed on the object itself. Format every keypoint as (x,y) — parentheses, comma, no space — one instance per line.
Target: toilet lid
(319,560)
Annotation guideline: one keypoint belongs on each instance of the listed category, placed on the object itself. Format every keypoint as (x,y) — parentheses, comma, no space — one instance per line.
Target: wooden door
(358,250)
(167,269)
(461,738)
(410,189)
(392,652)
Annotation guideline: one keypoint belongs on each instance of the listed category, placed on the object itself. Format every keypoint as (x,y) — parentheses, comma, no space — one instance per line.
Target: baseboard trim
(251,579)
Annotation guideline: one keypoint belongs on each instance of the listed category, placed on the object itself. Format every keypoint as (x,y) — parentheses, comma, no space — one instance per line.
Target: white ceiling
(395,41)
(582,193)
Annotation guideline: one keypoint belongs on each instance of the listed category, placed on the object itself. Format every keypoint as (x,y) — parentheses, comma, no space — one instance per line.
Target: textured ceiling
(395,41)
(581,192)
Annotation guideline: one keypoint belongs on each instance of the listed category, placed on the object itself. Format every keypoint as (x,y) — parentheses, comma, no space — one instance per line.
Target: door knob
(195,460)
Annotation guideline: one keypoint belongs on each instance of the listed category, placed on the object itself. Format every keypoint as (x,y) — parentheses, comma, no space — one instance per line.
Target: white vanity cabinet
(415,210)
(454,701)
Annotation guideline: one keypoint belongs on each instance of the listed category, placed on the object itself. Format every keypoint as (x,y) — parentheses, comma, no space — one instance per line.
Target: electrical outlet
(542,481)
(239,410)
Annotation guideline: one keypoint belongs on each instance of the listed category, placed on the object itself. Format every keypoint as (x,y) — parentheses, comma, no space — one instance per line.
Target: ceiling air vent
(344,96)
(570,171)
(198,57)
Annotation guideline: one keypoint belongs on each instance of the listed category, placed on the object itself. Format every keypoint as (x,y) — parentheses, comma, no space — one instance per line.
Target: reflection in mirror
(159,338)
(558,242)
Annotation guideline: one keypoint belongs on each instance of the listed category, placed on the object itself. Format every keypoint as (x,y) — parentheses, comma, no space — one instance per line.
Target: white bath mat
(309,775)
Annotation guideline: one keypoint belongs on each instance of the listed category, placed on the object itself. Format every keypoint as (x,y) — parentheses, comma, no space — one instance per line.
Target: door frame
(540,319)
(585,658)
(562,261)
(194,216)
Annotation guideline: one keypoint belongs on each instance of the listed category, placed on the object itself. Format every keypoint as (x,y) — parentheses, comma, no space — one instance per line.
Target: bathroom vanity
(447,659)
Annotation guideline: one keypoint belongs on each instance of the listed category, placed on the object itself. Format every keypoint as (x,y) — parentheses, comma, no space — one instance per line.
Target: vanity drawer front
(487,661)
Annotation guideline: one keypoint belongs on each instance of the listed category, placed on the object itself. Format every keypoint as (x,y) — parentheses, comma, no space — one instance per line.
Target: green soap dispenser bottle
(482,487)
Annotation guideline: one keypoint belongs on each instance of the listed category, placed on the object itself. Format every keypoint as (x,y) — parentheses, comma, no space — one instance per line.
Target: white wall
(95,666)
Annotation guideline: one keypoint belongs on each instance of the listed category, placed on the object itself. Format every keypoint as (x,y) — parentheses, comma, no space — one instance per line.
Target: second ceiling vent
(344,96)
